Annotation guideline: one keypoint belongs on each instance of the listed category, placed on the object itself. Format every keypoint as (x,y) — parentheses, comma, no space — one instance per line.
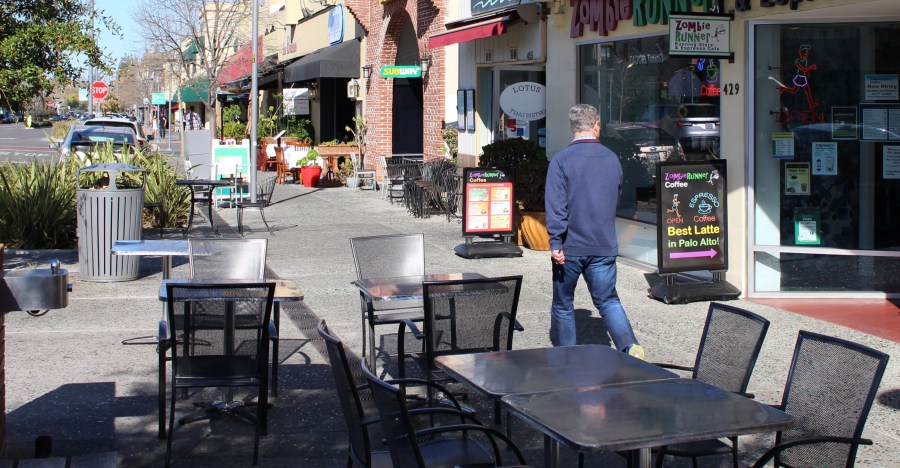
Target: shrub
(236,130)
(300,128)
(528,163)
(60,130)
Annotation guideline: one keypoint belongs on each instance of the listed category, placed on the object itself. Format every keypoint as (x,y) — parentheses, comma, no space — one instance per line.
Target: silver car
(142,138)
(695,124)
(82,140)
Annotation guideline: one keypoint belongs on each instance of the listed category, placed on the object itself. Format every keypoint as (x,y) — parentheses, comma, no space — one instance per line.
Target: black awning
(337,61)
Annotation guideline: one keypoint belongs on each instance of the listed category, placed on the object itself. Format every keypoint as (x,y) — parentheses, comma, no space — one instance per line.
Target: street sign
(82,95)
(157,98)
(99,90)
(401,71)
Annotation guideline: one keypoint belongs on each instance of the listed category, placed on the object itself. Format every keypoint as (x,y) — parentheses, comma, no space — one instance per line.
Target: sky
(115,46)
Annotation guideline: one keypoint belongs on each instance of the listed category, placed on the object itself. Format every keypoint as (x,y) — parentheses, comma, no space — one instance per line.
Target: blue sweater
(583,186)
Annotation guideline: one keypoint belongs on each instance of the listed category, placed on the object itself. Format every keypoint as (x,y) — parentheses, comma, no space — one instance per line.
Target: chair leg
(694,462)
(190,219)
(734,451)
(262,214)
(580,459)
(660,455)
(171,426)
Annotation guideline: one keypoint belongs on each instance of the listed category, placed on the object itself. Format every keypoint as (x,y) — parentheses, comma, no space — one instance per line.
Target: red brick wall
(383,24)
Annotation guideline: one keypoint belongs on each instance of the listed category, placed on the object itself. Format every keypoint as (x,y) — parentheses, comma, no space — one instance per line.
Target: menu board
(691,218)
(487,202)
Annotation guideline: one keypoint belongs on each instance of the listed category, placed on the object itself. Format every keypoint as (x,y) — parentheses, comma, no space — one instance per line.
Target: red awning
(487,28)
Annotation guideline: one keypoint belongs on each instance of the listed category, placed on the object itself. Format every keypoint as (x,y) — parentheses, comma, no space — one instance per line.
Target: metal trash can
(110,205)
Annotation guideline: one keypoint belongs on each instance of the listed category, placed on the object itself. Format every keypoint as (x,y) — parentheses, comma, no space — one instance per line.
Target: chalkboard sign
(691,217)
(487,202)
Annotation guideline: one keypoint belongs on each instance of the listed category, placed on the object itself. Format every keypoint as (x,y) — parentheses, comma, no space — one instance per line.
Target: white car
(143,139)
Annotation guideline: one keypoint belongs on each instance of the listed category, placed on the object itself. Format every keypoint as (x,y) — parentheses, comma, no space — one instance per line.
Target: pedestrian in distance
(163,126)
(192,120)
(583,186)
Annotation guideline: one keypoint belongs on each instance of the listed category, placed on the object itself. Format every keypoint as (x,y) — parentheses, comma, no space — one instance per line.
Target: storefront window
(826,158)
(653,108)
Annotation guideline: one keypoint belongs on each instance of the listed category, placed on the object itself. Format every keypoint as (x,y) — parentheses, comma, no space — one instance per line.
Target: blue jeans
(600,276)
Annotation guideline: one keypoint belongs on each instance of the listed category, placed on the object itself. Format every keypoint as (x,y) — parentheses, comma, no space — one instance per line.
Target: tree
(47,42)
(199,34)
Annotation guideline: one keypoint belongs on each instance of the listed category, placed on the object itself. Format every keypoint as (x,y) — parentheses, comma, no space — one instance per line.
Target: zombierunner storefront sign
(699,36)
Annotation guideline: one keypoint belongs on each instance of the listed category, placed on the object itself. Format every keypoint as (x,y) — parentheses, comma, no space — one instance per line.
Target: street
(21,144)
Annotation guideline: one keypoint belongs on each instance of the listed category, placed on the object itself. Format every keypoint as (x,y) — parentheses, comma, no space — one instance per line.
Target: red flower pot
(309,175)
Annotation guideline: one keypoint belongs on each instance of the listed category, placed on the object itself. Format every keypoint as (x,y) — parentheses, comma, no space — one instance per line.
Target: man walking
(582,191)
(192,120)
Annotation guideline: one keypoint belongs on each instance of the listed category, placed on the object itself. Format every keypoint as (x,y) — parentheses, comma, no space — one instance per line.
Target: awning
(193,93)
(487,28)
(337,61)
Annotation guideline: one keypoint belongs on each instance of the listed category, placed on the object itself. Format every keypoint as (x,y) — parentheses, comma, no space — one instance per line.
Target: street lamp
(254,99)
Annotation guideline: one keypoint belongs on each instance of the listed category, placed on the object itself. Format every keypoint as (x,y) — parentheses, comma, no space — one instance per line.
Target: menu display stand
(692,231)
(487,213)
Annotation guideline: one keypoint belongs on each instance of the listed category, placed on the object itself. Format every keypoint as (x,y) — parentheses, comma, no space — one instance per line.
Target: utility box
(110,201)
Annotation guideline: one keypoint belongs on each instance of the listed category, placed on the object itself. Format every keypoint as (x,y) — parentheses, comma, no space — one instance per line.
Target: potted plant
(348,174)
(528,163)
(310,171)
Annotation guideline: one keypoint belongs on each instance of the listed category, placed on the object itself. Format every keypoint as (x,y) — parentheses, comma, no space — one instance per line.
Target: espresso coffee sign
(487,202)
(691,217)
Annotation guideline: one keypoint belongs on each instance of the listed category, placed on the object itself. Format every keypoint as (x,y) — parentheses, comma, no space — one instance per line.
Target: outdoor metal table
(164,248)
(400,288)
(285,291)
(497,374)
(641,415)
(207,185)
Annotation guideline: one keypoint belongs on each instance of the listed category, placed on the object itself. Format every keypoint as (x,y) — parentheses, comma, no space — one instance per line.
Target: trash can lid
(117,167)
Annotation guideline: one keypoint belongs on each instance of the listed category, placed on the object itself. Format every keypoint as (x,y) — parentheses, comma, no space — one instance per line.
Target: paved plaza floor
(70,377)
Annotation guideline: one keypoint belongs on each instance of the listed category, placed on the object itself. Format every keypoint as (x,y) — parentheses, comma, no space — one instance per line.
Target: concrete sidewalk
(70,377)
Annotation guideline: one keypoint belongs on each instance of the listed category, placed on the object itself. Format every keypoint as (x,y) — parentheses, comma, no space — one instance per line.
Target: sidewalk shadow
(590,328)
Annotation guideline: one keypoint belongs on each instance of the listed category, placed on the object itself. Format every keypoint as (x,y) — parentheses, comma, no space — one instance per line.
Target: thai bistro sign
(603,16)
(524,101)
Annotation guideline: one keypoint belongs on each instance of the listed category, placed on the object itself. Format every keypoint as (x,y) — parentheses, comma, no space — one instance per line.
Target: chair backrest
(355,161)
(227,258)
(830,389)
(223,320)
(349,393)
(264,190)
(396,424)
(732,338)
(389,255)
(466,316)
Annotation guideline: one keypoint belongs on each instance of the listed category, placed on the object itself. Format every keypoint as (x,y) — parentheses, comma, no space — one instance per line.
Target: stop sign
(99,90)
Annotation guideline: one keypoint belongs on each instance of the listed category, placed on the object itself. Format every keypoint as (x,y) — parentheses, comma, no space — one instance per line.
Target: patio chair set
(423,187)
(830,388)
(203,192)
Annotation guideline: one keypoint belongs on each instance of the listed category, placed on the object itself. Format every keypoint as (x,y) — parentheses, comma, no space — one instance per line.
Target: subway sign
(401,71)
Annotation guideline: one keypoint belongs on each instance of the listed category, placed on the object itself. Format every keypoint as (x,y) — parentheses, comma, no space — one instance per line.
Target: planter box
(337,150)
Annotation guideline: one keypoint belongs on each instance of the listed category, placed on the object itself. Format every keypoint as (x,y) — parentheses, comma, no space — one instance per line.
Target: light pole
(254,97)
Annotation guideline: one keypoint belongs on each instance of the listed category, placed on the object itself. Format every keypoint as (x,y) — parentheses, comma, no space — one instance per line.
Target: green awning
(193,93)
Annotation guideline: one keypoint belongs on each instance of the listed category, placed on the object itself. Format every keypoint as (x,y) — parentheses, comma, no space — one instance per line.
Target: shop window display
(653,108)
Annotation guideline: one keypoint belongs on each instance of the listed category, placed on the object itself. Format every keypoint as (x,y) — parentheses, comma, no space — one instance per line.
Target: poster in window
(806,228)
(891,162)
(824,158)
(783,145)
(843,123)
(470,110)
(460,109)
(796,178)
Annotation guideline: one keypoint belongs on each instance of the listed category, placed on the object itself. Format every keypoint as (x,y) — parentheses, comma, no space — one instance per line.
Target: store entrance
(407,111)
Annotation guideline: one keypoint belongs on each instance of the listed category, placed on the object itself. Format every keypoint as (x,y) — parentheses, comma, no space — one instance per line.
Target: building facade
(806,115)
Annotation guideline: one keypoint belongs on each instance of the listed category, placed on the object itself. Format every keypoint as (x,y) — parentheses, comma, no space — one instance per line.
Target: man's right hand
(558,257)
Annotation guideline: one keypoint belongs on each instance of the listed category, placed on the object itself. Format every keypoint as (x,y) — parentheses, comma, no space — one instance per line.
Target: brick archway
(383,25)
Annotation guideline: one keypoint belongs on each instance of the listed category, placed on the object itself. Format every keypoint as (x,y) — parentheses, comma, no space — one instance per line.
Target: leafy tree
(46,42)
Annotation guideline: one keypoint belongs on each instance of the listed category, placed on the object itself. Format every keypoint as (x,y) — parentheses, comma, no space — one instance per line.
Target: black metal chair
(387,256)
(431,447)
(218,335)
(462,317)
(264,192)
(731,341)
(830,389)
(357,404)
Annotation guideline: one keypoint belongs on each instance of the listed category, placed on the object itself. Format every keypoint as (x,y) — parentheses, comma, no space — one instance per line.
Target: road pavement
(69,376)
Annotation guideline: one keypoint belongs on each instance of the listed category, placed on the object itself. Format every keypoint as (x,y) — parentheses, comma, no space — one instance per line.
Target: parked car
(143,139)
(696,125)
(640,148)
(84,139)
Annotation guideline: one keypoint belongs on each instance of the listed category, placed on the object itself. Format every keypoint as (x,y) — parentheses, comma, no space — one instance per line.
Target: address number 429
(731,89)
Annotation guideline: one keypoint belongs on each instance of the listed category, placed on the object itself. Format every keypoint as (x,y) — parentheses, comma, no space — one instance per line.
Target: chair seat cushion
(703,447)
(441,453)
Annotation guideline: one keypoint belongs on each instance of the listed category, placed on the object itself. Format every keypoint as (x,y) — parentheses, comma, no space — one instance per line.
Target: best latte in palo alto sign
(691,217)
